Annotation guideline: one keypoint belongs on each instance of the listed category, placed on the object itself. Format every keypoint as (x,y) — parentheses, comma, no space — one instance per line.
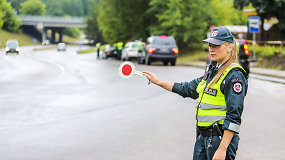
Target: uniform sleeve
(187,89)
(234,88)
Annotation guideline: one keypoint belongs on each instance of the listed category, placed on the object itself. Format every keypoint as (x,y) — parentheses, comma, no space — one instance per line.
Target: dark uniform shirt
(230,87)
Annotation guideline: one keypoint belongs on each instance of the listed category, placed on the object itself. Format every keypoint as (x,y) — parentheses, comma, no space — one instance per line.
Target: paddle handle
(139,73)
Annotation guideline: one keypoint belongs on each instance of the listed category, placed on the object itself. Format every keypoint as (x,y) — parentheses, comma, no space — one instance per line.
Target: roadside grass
(66,38)
(86,51)
(23,39)
(44,48)
(192,56)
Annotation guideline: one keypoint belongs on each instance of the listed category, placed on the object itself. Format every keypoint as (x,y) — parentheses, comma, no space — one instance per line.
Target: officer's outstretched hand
(151,77)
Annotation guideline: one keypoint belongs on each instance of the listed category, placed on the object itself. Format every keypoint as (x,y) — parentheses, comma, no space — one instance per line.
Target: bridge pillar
(44,35)
(53,36)
(60,35)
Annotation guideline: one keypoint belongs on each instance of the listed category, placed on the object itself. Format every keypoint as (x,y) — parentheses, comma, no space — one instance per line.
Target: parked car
(109,51)
(12,46)
(61,47)
(243,54)
(131,50)
(160,48)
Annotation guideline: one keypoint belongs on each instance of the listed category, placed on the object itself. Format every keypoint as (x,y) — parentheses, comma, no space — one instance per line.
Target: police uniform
(231,89)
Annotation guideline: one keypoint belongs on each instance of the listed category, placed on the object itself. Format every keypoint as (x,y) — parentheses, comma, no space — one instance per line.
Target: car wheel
(173,62)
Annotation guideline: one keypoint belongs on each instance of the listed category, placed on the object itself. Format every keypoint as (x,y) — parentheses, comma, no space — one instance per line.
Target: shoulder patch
(237,87)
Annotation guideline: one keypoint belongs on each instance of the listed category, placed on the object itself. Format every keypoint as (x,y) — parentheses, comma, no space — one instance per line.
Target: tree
(224,13)
(183,19)
(123,20)
(92,29)
(266,10)
(8,19)
(16,4)
(33,7)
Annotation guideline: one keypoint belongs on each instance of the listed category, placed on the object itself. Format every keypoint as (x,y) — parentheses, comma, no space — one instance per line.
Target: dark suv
(243,54)
(160,48)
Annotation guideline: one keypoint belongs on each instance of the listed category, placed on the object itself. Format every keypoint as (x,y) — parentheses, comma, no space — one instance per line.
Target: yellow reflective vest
(213,107)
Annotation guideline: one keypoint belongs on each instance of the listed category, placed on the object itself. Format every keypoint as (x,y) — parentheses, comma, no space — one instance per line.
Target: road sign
(127,70)
(35,40)
(254,22)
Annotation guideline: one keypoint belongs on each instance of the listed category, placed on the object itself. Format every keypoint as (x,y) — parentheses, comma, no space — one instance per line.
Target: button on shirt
(234,99)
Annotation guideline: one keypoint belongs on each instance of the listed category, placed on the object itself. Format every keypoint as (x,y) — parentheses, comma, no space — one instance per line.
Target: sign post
(34,41)
(254,23)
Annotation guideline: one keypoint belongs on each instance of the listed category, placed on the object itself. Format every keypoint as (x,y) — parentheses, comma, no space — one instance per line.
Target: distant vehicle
(61,47)
(45,43)
(160,48)
(12,46)
(131,51)
(243,54)
(109,51)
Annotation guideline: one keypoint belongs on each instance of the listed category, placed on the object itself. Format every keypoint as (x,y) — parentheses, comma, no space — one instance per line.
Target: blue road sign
(35,40)
(254,23)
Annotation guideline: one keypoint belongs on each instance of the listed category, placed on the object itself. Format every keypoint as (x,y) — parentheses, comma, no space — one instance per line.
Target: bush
(266,51)
(72,32)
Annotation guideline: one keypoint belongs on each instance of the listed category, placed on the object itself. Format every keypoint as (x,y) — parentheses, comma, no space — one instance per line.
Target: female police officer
(220,95)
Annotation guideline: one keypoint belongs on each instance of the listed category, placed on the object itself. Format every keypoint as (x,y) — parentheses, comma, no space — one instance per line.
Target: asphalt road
(64,106)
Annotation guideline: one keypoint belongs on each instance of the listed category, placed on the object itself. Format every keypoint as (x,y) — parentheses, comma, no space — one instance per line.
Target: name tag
(212,92)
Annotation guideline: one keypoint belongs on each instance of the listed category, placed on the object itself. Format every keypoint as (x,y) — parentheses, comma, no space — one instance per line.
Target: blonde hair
(233,59)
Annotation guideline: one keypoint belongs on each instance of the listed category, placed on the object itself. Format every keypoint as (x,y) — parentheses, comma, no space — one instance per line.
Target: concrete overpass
(53,23)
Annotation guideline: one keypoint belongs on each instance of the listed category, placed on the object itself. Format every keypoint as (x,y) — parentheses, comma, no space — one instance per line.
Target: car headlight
(7,49)
(17,49)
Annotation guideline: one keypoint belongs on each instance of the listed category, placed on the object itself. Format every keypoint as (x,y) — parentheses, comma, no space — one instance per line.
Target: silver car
(61,47)
(12,46)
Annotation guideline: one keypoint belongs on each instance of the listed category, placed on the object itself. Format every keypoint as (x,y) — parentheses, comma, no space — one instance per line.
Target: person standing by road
(120,48)
(220,93)
(98,49)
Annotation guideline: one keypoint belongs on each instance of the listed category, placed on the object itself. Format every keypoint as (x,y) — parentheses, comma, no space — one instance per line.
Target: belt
(209,131)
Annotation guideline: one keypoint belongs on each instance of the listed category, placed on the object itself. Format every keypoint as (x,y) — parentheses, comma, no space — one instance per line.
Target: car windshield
(12,44)
(164,41)
(134,45)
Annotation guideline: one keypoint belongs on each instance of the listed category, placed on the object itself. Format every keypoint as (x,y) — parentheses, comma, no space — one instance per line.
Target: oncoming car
(12,46)
(160,48)
(61,47)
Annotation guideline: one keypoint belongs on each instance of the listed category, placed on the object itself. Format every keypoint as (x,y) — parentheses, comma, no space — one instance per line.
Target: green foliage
(8,19)
(177,20)
(68,7)
(264,51)
(122,20)
(2,14)
(87,50)
(225,14)
(72,32)
(33,7)
(92,30)
(16,4)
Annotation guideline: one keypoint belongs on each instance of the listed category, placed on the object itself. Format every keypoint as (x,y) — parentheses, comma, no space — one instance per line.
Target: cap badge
(214,33)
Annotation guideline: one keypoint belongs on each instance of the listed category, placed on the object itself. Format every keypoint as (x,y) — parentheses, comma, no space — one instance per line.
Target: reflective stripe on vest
(213,106)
